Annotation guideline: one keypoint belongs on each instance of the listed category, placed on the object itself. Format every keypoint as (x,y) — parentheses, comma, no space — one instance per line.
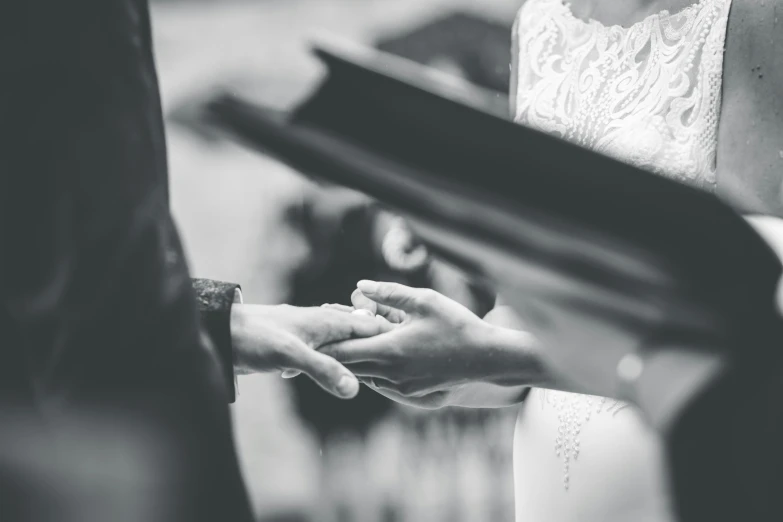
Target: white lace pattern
(648,94)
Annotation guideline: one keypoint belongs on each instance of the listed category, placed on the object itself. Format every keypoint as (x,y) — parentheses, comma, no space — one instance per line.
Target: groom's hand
(437,346)
(282,337)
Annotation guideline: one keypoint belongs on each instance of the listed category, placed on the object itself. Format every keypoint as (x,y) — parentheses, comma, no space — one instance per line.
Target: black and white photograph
(391,261)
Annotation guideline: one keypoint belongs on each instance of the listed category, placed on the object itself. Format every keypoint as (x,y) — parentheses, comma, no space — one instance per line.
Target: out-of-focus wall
(229,205)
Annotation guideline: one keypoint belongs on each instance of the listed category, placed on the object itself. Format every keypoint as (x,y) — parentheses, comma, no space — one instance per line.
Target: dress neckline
(659,16)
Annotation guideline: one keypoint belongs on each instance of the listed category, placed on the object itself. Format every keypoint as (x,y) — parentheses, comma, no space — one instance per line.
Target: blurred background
(247,218)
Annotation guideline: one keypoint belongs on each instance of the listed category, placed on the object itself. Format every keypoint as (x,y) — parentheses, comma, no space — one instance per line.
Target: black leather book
(579,227)
(594,253)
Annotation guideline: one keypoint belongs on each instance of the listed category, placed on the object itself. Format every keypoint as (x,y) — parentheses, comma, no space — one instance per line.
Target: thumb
(396,295)
(325,371)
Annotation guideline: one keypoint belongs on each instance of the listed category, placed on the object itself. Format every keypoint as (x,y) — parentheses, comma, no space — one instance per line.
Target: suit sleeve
(215,299)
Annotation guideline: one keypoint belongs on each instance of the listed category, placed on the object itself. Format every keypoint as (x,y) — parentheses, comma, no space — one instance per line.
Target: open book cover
(591,251)
(594,253)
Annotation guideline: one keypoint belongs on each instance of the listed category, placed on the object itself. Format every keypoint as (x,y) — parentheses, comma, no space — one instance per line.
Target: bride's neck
(624,12)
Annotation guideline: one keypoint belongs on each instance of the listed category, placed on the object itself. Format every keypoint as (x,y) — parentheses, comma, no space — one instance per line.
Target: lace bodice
(648,94)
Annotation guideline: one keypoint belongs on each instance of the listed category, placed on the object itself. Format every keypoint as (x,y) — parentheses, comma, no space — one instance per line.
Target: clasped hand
(424,349)
(436,347)
(286,338)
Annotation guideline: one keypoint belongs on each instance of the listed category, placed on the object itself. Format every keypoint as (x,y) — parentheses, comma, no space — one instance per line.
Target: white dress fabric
(649,95)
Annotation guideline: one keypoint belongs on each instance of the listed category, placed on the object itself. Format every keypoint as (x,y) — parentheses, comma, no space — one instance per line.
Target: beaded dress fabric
(649,95)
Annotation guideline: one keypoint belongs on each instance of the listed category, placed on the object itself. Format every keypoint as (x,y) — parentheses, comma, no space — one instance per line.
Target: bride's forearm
(511,358)
(486,395)
(505,367)
(515,360)
(508,363)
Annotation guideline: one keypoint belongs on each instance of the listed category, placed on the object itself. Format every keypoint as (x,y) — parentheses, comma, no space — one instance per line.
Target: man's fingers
(325,371)
(362,302)
(290,374)
(354,351)
(393,315)
(396,295)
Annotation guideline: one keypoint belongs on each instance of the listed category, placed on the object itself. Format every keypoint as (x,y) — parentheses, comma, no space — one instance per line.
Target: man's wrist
(239,335)
(215,301)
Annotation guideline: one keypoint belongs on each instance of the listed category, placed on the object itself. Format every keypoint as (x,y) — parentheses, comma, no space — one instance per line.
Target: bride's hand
(437,347)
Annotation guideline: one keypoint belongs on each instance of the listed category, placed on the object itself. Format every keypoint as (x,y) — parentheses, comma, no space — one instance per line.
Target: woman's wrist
(509,357)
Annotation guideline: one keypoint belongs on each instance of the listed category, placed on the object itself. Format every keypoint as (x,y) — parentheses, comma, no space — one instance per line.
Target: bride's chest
(648,95)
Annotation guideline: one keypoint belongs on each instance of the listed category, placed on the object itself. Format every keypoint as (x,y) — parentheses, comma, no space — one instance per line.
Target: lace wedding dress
(648,94)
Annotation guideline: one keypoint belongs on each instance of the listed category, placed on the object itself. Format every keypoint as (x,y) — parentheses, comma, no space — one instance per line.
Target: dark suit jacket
(215,299)
(98,316)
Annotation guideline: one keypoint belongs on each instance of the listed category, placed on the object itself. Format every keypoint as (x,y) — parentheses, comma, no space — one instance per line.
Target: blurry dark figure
(479,48)
(352,239)
(115,367)
(98,318)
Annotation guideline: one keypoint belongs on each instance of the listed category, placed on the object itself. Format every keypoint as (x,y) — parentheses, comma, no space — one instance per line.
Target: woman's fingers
(327,326)
(362,302)
(398,296)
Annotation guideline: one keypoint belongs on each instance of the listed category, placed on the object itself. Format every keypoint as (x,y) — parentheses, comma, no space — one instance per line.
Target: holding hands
(436,351)
(414,346)
(283,338)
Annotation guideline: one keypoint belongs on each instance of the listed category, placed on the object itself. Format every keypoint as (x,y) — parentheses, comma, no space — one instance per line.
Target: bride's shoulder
(755,35)
(750,154)
(528,12)
(754,18)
